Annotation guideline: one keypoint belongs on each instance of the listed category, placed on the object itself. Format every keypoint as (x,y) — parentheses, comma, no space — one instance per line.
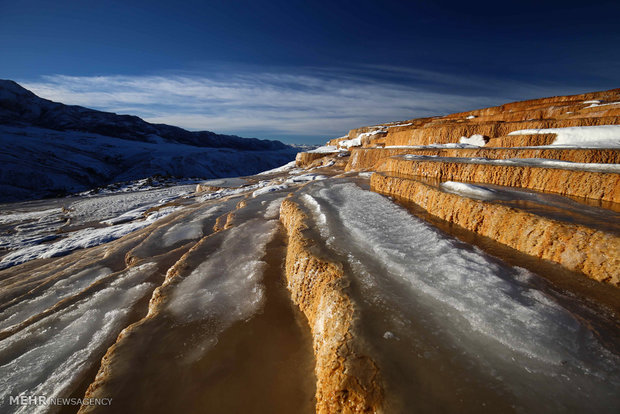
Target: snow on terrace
(31,232)
(80,239)
(599,136)
(520,162)
(537,349)
(357,141)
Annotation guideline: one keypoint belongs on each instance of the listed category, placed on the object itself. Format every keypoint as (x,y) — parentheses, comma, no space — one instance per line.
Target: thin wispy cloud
(318,103)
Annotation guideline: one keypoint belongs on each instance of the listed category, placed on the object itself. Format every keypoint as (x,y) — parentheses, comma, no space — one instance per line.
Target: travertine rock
(348,380)
(369,158)
(304,159)
(595,185)
(592,252)
(446,131)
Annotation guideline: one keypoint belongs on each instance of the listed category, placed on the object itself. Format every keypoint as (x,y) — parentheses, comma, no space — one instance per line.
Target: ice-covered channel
(456,326)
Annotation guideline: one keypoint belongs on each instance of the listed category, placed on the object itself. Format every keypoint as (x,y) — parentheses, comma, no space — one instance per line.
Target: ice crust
(524,331)
(468,190)
(47,358)
(59,290)
(80,239)
(227,286)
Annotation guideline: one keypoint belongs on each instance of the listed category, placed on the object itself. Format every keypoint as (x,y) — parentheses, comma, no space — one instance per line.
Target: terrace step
(368,158)
(551,227)
(594,181)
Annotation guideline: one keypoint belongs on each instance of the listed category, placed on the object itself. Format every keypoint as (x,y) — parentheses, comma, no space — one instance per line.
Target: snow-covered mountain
(48,148)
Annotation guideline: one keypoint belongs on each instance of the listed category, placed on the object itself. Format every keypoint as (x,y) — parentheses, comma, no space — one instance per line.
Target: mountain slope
(49,148)
(19,106)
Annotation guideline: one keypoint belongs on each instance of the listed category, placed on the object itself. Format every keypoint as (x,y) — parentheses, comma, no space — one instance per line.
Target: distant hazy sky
(304,71)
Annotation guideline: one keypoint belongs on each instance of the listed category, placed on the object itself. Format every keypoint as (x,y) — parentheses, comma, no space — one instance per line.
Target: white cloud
(316,103)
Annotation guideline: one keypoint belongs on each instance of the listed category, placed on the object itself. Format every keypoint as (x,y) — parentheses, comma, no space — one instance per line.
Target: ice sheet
(48,357)
(227,286)
(531,342)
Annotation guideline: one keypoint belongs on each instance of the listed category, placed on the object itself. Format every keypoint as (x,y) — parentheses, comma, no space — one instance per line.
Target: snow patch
(599,136)
(475,140)
(468,190)
(80,239)
(269,189)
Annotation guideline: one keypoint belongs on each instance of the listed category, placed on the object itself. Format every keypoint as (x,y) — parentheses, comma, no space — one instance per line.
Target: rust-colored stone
(347,379)
(595,185)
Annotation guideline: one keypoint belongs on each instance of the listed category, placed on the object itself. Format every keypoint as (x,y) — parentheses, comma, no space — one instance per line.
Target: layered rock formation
(348,380)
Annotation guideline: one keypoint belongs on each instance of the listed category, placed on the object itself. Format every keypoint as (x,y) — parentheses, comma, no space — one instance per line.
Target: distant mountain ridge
(49,149)
(19,106)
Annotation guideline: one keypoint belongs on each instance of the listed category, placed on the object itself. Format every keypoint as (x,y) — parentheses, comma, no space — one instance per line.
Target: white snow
(476,140)
(116,208)
(326,149)
(599,136)
(468,190)
(592,102)
(80,239)
(286,167)
(594,105)
(269,189)
(305,178)
(433,146)
(470,117)
(17,216)
(28,228)
(357,141)
(48,357)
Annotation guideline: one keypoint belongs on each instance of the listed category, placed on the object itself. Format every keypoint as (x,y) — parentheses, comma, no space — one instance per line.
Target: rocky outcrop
(348,380)
(594,185)
(592,252)
(444,131)
(304,159)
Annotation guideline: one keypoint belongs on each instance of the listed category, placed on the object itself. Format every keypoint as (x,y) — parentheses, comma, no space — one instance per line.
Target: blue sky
(305,71)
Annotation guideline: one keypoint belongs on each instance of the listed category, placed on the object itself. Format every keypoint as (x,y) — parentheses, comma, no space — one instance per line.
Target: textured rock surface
(595,185)
(304,159)
(368,158)
(348,381)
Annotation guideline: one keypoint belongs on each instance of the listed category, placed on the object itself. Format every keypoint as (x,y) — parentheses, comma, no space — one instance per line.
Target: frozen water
(269,188)
(468,190)
(48,357)
(61,289)
(482,303)
(227,286)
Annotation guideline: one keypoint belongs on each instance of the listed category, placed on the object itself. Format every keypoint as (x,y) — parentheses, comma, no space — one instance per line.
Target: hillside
(464,263)
(50,149)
